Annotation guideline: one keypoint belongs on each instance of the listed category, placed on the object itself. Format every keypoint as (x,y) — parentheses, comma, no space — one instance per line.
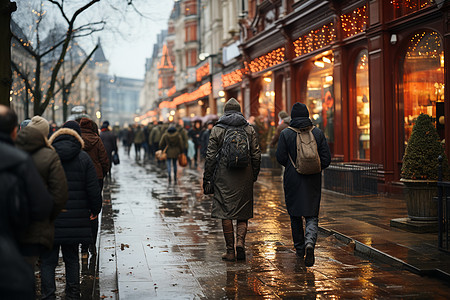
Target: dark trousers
(94,228)
(49,261)
(172,161)
(309,235)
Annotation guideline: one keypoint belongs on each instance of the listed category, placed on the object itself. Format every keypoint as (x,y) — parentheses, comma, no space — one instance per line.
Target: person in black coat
(72,226)
(19,182)
(302,192)
(109,140)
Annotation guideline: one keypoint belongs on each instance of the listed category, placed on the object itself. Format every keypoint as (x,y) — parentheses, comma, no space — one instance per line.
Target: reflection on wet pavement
(159,241)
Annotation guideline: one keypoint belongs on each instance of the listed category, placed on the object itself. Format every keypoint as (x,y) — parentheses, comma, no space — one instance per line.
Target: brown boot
(241,232)
(228,233)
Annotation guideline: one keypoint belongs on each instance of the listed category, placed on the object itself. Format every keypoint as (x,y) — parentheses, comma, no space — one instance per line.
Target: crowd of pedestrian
(51,182)
(189,138)
(53,178)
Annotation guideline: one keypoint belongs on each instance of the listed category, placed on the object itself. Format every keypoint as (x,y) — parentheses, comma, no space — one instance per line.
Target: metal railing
(354,179)
(443,210)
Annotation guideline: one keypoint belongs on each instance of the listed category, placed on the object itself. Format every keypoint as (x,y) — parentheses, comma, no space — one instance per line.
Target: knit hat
(299,110)
(24,124)
(40,124)
(282,114)
(105,124)
(73,125)
(232,105)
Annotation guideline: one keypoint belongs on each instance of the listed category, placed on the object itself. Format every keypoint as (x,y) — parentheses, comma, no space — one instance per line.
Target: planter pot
(419,199)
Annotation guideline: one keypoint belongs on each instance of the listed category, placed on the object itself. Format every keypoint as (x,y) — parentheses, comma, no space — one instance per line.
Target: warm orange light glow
(268,60)
(315,39)
(202,72)
(354,22)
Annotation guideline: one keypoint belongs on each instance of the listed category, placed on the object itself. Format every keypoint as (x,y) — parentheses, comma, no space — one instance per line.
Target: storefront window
(266,111)
(362,105)
(423,80)
(319,98)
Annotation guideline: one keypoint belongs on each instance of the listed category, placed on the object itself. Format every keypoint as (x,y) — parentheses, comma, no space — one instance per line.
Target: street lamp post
(211,98)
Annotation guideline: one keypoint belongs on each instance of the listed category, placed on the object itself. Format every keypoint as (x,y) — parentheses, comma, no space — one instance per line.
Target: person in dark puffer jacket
(72,226)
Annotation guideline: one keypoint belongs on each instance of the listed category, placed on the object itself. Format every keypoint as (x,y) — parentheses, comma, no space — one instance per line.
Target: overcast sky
(127,38)
(128,50)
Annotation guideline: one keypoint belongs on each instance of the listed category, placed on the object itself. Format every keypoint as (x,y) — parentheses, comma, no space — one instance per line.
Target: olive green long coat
(174,143)
(233,189)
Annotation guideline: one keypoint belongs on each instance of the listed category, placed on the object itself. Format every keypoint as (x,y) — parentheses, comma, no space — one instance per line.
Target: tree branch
(52,48)
(81,9)
(50,91)
(24,77)
(61,9)
(81,67)
(24,46)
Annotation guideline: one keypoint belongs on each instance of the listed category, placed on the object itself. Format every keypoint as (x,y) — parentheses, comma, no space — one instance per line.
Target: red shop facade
(365,69)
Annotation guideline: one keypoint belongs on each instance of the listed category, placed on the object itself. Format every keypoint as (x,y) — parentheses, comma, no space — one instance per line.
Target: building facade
(365,69)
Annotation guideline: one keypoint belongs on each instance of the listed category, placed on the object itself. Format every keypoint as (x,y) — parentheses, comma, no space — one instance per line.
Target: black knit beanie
(73,125)
(299,110)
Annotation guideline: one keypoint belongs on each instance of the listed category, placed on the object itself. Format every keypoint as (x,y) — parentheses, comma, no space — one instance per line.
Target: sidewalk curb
(377,255)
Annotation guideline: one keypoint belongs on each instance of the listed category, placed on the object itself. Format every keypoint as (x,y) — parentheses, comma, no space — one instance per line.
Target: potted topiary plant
(420,170)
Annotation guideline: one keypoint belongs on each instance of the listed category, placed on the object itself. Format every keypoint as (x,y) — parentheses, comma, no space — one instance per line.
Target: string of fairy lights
(315,39)
(425,44)
(411,4)
(354,22)
(266,61)
(202,71)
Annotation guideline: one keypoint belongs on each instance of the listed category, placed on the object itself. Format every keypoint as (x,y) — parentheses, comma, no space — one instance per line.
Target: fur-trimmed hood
(67,143)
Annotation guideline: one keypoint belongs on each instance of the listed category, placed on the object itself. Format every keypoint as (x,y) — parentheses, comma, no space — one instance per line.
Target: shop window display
(362,106)
(265,121)
(423,81)
(320,96)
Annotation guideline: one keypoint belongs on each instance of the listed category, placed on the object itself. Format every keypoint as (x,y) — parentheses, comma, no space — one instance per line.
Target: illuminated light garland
(315,39)
(268,60)
(166,104)
(354,22)
(234,77)
(171,91)
(202,71)
(412,5)
(422,44)
(201,92)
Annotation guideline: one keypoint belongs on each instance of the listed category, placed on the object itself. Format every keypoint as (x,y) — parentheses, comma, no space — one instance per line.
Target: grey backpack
(308,160)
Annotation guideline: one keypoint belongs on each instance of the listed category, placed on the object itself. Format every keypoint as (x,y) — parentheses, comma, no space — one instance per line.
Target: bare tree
(60,46)
(6,8)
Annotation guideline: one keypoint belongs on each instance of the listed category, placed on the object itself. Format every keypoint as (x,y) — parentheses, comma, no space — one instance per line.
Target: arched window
(320,95)
(362,105)
(423,80)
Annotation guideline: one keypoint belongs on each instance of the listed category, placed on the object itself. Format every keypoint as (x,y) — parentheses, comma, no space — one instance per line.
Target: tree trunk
(6,8)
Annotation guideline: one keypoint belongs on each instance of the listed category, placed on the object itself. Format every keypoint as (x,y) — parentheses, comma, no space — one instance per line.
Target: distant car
(77,113)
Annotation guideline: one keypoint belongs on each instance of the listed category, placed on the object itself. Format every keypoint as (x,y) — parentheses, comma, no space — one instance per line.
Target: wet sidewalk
(158,241)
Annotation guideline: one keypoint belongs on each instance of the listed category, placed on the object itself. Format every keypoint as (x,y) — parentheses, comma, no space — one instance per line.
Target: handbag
(115,158)
(161,154)
(182,160)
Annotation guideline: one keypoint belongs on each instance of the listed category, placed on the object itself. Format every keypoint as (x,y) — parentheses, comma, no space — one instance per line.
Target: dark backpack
(235,147)
(14,200)
(17,277)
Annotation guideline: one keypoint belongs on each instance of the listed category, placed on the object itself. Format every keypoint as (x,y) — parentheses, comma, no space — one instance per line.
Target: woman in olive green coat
(233,189)
(174,143)
(33,139)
